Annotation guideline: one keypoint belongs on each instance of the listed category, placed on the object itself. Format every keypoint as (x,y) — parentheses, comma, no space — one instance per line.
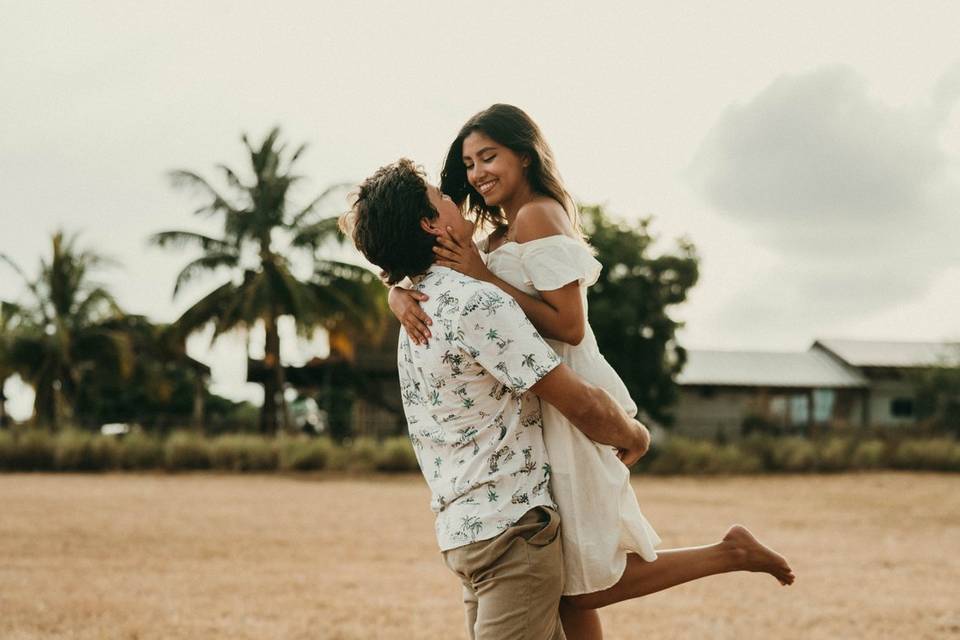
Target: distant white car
(115,429)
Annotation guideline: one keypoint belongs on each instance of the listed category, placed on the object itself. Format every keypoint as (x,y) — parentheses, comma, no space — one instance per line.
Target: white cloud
(858,198)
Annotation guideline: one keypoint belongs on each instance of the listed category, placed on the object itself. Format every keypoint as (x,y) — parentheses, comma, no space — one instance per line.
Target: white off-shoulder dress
(601,520)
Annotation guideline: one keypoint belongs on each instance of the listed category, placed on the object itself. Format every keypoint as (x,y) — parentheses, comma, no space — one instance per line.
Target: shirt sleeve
(554,261)
(496,333)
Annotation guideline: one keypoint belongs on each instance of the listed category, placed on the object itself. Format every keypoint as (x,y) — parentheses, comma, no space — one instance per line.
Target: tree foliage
(938,394)
(629,306)
(61,335)
(263,236)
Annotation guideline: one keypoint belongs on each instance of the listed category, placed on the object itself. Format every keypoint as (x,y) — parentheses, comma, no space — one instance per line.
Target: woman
(501,170)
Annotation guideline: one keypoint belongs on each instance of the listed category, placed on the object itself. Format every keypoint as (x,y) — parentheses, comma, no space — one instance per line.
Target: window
(901,407)
(778,407)
(799,409)
(823,400)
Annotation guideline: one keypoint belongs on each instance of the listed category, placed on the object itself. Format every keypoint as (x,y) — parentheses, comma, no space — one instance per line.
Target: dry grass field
(229,556)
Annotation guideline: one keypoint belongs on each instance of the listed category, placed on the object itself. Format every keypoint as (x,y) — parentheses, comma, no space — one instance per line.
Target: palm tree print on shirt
(446,300)
(501,455)
(461,392)
(470,527)
(454,361)
(494,336)
(528,466)
(519,384)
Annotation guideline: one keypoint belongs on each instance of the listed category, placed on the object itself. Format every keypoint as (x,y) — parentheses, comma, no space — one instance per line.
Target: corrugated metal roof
(767,369)
(879,353)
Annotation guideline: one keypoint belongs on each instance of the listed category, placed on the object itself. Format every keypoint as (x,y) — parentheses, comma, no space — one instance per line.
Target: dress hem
(619,575)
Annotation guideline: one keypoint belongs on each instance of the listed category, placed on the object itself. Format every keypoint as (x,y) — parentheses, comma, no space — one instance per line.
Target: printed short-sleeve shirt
(476,429)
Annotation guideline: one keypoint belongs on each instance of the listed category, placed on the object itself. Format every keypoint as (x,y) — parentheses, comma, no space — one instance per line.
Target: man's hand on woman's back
(631,455)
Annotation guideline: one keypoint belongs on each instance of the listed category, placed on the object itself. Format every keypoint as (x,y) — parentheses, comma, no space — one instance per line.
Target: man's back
(476,430)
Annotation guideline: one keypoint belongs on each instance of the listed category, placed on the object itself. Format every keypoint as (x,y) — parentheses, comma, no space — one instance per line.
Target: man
(473,418)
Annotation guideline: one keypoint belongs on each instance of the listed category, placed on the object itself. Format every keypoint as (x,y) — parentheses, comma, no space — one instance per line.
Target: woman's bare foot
(755,556)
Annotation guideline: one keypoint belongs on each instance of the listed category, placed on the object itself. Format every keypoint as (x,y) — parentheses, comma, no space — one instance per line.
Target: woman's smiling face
(495,171)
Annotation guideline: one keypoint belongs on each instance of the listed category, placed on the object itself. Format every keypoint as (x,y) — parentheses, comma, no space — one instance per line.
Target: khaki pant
(512,583)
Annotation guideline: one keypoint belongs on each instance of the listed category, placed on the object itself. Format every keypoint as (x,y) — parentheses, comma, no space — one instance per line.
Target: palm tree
(8,315)
(263,235)
(62,334)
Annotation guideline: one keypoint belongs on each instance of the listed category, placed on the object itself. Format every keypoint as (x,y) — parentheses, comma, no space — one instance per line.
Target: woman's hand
(461,254)
(405,304)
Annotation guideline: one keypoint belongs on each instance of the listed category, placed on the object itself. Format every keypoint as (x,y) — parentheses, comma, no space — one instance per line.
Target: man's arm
(593,411)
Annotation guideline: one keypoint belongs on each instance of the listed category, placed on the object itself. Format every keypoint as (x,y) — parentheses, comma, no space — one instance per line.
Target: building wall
(888,401)
(705,413)
(709,412)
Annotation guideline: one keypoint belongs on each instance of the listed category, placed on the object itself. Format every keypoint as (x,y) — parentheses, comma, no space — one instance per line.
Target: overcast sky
(811,151)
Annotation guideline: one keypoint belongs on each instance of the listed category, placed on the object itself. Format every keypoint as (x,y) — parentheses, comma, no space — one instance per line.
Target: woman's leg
(738,551)
(579,623)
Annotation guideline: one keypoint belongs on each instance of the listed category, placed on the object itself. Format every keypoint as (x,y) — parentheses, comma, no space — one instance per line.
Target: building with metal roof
(834,383)
(901,355)
(768,369)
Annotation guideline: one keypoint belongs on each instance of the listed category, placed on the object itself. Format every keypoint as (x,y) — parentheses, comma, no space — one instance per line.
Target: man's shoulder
(457,294)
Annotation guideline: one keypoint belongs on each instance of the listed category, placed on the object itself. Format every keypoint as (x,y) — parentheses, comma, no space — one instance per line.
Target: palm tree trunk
(3,403)
(198,389)
(44,403)
(272,383)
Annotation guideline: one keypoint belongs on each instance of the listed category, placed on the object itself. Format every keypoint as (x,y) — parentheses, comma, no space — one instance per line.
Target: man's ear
(427,225)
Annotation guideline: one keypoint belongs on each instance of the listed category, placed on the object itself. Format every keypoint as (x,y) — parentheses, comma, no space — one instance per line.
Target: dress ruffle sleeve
(555,261)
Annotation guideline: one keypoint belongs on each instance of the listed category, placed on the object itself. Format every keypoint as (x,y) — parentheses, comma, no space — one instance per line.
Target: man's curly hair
(385,221)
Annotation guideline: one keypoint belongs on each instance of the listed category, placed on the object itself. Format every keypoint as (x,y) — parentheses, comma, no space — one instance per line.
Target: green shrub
(701,457)
(668,458)
(338,458)
(733,459)
(83,451)
(185,451)
(396,455)
(243,453)
(833,454)
(32,450)
(937,454)
(793,454)
(760,448)
(361,455)
(869,454)
(7,448)
(305,454)
(140,451)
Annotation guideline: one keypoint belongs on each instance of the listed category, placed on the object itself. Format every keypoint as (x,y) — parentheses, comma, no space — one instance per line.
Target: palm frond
(349,295)
(31,285)
(312,206)
(296,155)
(179,239)
(232,178)
(182,178)
(209,309)
(98,297)
(10,313)
(203,264)
(314,235)
(291,296)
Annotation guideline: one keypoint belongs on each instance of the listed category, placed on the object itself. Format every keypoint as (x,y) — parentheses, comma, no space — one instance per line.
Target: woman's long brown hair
(514,129)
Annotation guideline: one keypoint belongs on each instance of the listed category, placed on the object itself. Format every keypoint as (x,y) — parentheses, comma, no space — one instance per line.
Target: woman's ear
(427,225)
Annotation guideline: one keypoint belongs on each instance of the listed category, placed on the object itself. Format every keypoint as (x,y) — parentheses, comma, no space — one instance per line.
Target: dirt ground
(229,556)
